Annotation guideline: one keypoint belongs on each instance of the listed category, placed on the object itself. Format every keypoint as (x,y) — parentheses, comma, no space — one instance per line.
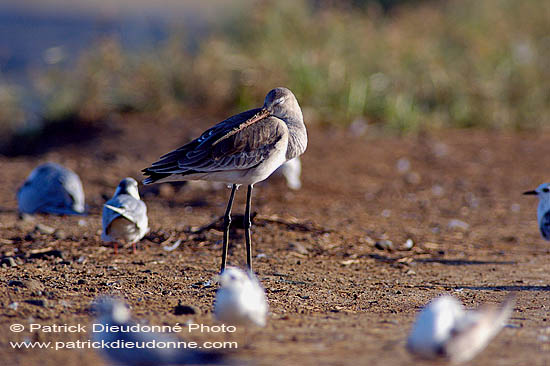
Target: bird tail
(152,176)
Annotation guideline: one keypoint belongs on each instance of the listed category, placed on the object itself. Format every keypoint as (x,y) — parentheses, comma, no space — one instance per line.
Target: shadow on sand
(460,262)
(448,262)
(508,288)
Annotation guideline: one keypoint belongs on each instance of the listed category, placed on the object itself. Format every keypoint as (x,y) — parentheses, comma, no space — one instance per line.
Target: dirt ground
(335,298)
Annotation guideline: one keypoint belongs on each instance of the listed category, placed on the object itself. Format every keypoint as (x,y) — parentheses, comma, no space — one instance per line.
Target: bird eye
(546,190)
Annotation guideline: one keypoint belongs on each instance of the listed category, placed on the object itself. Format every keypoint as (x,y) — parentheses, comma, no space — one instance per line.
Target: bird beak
(531,193)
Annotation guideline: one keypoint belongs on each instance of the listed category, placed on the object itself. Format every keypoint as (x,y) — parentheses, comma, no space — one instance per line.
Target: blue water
(27,35)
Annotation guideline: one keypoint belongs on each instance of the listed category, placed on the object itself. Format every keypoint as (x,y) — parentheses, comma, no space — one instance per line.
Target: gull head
(128,186)
(234,278)
(240,299)
(111,308)
(281,103)
(543,191)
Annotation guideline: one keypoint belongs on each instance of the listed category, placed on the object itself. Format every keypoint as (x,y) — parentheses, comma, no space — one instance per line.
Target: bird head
(281,103)
(543,191)
(233,277)
(128,186)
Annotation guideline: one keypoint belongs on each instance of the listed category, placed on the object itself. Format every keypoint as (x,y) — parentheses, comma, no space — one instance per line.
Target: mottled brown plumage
(243,149)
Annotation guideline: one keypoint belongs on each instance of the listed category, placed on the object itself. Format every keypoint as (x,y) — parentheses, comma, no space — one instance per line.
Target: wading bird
(243,149)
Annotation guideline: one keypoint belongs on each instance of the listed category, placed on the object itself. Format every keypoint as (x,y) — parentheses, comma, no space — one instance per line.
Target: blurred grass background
(403,66)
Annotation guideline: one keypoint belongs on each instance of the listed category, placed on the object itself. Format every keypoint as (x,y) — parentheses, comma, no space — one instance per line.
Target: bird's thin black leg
(247,225)
(226,223)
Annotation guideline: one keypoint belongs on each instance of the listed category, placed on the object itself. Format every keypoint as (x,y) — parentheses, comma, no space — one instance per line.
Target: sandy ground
(335,298)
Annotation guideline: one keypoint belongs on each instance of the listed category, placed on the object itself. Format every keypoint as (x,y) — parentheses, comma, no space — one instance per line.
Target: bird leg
(247,225)
(226,223)
(134,248)
(116,247)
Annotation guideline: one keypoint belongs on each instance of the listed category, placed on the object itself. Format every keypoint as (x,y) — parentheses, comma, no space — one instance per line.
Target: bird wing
(128,207)
(545,225)
(239,142)
(29,198)
(477,328)
(48,194)
(73,189)
(241,148)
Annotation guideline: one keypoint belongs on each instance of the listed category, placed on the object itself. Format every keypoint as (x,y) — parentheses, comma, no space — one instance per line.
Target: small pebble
(8,262)
(60,235)
(440,149)
(64,303)
(297,247)
(358,127)
(403,165)
(185,310)
(34,285)
(458,224)
(37,302)
(409,244)
(27,218)
(438,190)
(172,247)
(384,245)
(413,178)
(369,240)
(16,283)
(44,229)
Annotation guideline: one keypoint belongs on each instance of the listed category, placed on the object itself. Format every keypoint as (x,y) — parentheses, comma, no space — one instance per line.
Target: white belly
(245,176)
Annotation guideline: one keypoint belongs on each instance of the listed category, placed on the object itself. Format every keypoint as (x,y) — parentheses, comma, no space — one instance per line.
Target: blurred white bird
(241,299)
(291,170)
(51,188)
(142,351)
(543,210)
(445,329)
(125,215)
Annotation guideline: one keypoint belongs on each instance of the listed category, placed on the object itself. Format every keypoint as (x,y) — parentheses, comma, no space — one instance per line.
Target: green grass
(457,63)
